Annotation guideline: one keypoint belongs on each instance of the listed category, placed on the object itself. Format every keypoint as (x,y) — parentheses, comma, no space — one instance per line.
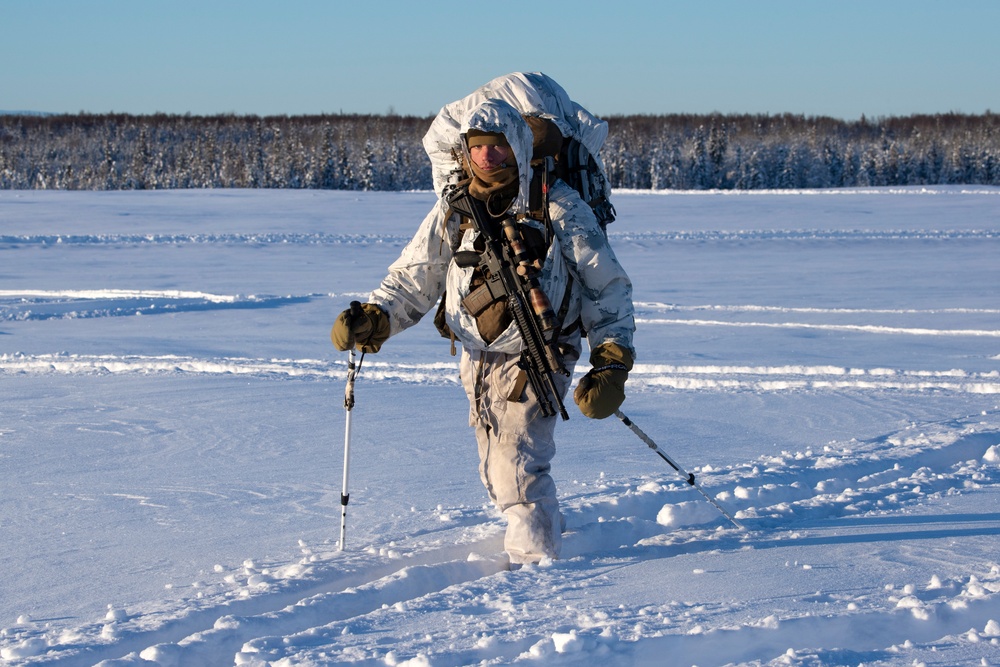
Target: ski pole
(352,372)
(689,477)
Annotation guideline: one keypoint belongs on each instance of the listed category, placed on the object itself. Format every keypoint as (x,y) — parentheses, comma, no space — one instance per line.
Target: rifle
(512,273)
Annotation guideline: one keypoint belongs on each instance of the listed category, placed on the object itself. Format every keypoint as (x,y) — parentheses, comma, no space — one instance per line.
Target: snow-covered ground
(172,430)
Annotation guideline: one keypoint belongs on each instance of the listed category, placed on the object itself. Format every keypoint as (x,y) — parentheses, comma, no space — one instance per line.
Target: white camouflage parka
(601,292)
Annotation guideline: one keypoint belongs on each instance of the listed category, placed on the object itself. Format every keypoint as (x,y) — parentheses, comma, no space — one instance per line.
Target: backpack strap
(439,315)
(542,176)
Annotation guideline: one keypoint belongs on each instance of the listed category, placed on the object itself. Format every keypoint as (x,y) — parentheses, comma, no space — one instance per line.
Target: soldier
(579,272)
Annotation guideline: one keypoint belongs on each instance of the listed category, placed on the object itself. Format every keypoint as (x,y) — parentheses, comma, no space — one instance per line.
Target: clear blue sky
(841,58)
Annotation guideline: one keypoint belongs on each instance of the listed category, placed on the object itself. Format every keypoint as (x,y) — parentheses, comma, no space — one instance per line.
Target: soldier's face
(488,156)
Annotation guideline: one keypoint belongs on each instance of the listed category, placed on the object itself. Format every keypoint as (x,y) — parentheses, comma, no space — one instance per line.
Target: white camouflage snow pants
(516,446)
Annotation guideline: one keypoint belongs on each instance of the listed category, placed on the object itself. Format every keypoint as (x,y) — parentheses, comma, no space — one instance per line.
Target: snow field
(825,363)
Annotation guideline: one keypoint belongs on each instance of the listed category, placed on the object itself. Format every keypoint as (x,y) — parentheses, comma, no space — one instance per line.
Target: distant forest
(357,152)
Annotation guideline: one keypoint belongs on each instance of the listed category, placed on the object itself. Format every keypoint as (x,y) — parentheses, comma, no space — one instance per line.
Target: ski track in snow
(295,613)
(329,239)
(16,240)
(24,305)
(643,376)
(82,304)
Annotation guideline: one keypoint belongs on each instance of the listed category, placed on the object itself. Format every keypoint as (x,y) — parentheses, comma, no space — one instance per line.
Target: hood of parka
(500,117)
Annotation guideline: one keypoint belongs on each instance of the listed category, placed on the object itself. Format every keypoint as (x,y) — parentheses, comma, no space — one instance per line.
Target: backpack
(584,173)
(538,97)
(567,141)
(567,158)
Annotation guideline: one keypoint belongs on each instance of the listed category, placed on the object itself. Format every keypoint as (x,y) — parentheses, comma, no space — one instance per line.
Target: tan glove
(602,390)
(364,325)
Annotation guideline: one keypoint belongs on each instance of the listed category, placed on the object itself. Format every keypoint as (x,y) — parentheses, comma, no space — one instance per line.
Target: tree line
(384,152)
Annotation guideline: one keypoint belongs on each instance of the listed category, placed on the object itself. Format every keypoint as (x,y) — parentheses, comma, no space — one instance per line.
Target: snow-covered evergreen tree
(114,151)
